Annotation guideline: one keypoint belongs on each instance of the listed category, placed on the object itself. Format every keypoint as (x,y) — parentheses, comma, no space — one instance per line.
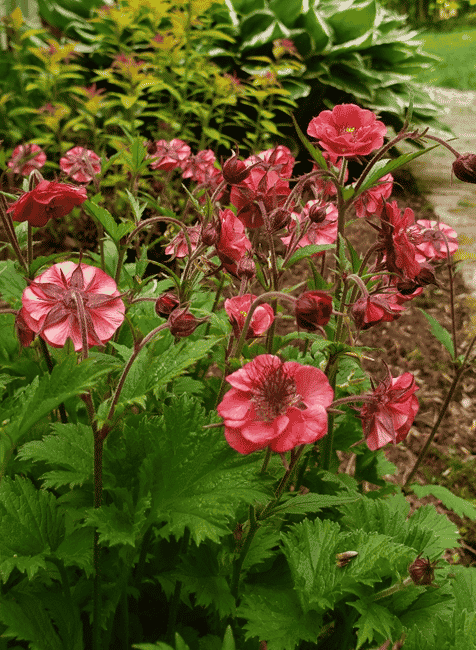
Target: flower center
(70,299)
(275,394)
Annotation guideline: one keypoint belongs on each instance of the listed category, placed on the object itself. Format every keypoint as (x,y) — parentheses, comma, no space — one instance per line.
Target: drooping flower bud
(464,168)
(24,333)
(235,170)
(422,571)
(166,303)
(313,309)
(211,234)
(246,268)
(182,322)
(317,213)
(279,219)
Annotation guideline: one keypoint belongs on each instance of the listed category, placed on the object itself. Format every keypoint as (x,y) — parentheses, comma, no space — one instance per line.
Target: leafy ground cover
(457,50)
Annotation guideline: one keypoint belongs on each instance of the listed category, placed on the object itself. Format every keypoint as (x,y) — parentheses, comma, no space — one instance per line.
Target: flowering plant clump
(188,422)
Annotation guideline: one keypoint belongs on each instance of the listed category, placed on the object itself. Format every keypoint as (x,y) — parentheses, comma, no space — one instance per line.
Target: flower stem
(174,605)
(444,408)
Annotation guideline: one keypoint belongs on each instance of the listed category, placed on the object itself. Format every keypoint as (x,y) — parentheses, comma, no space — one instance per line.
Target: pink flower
(170,155)
(237,309)
(178,247)
(371,202)
(233,242)
(324,232)
(47,201)
(81,164)
(262,186)
(432,245)
(377,308)
(388,413)
(24,162)
(201,167)
(275,404)
(280,159)
(347,131)
(68,300)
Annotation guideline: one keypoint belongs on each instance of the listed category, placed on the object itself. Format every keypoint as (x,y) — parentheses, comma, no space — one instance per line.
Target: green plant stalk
(393,589)
(444,408)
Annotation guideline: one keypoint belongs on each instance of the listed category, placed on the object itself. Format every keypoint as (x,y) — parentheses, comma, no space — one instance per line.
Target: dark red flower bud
(464,168)
(246,268)
(182,323)
(211,234)
(407,287)
(24,333)
(426,276)
(166,303)
(313,309)
(235,170)
(317,213)
(422,571)
(278,219)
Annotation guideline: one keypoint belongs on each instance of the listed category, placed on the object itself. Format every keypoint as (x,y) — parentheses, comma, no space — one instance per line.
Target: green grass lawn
(458,51)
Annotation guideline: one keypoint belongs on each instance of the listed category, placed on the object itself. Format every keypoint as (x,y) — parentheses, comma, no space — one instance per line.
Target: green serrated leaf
(12,283)
(462,507)
(119,527)
(439,332)
(104,217)
(304,503)
(307,251)
(31,526)
(375,621)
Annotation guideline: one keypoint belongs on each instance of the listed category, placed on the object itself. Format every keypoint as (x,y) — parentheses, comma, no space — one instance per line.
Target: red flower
(166,303)
(23,161)
(178,247)
(279,159)
(233,242)
(47,201)
(398,237)
(347,131)
(260,186)
(371,202)
(237,309)
(432,244)
(235,170)
(81,164)
(169,155)
(68,297)
(182,322)
(323,232)
(313,309)
(388,413)
(378,308)
(200,168)
(275,404)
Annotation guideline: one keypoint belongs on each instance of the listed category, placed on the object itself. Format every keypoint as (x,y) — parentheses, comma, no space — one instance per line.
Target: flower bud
(235,170)
(182,323)
(211,234)
(24,333)
(246,268)
(313,309)
(317,213)
(426,276)
(464,168)
(166,303)
(279,219)
(422,571)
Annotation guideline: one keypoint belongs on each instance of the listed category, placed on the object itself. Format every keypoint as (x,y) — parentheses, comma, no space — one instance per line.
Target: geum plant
(171,462)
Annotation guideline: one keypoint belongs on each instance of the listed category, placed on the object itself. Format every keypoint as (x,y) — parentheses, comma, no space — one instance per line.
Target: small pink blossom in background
(233,242)
(54,302)
(170,154)
(81,164)
(237,309)
(388,413)
(377,308)
(22,162)
(260,186)
(48,200)
(432,245)
(318,234)
(200,167)
(371,202)
(275,404)
(347,131)
(280,159)
(178,247)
